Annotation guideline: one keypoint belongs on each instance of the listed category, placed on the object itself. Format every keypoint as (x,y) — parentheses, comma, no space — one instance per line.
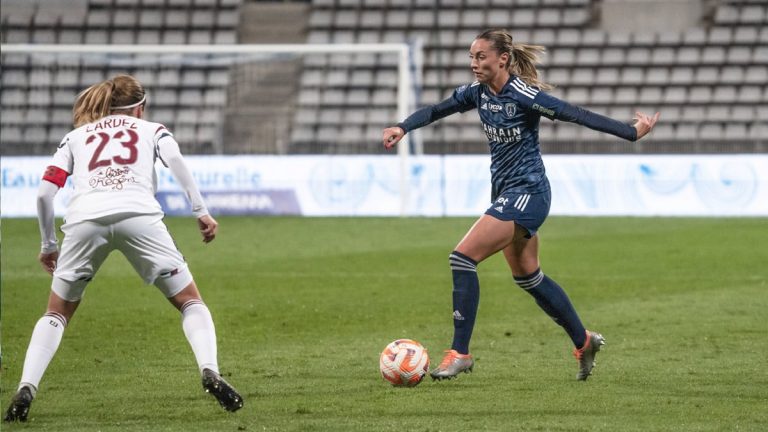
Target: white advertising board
(591,185)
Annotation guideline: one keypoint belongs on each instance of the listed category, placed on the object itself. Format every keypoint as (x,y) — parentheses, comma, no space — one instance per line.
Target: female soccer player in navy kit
(509,100)
(110,157)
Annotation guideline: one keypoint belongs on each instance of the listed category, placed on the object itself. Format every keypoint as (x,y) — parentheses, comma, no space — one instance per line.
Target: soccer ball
(404,363)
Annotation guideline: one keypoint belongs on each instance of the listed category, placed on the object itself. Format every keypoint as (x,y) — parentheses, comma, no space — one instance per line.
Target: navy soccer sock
(554,301)
(466,297)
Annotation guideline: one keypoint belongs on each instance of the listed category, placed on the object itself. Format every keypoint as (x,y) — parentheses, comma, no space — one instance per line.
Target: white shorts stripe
(522,202)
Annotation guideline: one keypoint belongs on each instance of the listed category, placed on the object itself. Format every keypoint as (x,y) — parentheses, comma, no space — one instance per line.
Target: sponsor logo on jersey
(494,107)
(543,110)
(113,178)
(502,135)
(484,106)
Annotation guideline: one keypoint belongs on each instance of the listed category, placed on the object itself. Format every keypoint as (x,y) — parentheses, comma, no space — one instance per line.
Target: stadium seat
(751,94)
(736,131)
(658,76)
(719,36)
(700,95)
(675,95)
(757,74)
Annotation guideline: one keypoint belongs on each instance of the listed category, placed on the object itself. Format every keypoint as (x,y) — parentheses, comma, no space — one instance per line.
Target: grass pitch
(304,306)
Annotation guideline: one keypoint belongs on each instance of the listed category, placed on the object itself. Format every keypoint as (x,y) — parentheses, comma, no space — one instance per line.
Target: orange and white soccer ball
(404,363)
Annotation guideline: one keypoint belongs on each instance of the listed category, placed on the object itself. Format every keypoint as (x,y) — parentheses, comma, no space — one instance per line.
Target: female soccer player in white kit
(111,156)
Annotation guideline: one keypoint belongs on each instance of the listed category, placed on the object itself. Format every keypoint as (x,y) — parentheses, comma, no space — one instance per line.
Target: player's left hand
(644,123)
(208,227)
(48,261)
(391,136)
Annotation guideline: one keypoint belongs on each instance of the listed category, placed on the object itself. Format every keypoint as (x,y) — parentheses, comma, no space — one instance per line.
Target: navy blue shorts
(528,210)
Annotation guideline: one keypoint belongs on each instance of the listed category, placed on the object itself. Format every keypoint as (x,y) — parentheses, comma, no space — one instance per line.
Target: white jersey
(112,165)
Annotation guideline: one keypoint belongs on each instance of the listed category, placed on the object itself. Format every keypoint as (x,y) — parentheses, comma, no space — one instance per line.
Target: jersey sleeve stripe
(525,85)
(524,88)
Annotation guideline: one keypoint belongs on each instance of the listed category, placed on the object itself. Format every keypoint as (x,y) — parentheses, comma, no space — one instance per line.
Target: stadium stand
(37,94)
(709,81)
(718,70)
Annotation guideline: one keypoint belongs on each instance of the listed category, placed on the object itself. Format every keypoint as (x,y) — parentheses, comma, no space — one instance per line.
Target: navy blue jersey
(511,123)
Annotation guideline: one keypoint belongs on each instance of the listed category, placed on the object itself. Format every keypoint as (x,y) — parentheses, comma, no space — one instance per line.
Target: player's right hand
(391,136)
(644,123)
(48,261)
(208,227)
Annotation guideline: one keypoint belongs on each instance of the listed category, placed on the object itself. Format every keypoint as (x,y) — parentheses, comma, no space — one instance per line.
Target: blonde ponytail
(93,103)
(523,58)
(104,98)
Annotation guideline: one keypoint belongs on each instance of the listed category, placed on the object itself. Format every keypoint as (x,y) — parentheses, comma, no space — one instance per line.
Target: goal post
(405,58)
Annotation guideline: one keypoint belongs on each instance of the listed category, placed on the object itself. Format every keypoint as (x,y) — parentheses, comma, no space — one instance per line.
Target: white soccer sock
(42,346)
(198,326)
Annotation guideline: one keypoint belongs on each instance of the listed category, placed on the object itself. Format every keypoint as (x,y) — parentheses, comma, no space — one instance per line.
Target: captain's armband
(55,175)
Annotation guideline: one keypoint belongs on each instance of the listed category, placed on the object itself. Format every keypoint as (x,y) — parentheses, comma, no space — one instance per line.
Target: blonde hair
(523,58)
(118,94)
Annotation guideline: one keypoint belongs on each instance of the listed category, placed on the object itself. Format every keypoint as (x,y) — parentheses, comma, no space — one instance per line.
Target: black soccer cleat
(227,396)
(19,408)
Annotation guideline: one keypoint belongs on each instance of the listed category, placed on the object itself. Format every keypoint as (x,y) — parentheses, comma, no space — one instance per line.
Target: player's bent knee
(71,291)
(173,282)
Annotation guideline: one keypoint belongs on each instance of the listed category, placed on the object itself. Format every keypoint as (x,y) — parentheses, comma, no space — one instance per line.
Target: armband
(55,175)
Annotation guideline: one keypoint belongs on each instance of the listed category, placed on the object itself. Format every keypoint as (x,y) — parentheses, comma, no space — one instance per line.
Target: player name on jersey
(112,122)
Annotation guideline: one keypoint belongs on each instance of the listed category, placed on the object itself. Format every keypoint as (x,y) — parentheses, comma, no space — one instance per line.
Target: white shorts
(143,239)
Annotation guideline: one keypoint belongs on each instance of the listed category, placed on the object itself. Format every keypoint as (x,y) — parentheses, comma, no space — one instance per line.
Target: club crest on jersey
(510,109)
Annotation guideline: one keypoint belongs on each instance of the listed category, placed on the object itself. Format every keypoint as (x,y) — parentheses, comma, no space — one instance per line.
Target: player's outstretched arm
(391,136)
(644,123)
(208,227)
(422,117)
